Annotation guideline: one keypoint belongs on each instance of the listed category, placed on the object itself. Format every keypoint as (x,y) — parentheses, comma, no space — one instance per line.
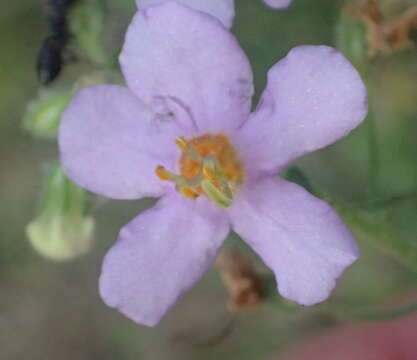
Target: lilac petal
(301,238)
(314,97)
(278,4)
(111,144)
(159,255)
(223,10)
(174,51)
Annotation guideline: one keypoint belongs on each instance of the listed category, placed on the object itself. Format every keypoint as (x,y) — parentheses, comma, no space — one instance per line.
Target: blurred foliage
(350,38)
(54,311)
(87,25)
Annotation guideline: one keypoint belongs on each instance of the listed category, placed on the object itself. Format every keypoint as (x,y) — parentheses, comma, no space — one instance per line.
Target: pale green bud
(43,115)
(63,230)
(61,237)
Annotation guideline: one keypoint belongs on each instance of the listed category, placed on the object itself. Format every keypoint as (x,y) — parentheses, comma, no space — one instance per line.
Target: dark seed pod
(50,56)
(49,60)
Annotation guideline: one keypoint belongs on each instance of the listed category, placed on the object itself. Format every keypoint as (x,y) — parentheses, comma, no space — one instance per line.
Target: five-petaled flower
(183,131)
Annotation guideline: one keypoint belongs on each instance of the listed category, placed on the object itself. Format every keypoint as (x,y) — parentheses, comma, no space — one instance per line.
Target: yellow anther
(181,143)
(208,166)
(162,173)
(189,193)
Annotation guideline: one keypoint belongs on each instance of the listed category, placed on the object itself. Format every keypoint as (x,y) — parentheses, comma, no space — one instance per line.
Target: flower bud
(43,114)
(63,230)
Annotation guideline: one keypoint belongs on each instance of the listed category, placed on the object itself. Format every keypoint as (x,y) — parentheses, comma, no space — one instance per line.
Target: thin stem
(376,315)
(373,154)
(348,314)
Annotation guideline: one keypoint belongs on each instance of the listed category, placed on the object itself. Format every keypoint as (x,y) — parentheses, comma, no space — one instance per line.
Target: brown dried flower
(241,279)
(384,36)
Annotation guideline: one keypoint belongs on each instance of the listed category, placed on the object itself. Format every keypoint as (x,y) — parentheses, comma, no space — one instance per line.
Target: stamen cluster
(209,166)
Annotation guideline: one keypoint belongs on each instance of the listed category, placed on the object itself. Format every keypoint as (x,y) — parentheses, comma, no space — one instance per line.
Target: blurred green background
(53,311)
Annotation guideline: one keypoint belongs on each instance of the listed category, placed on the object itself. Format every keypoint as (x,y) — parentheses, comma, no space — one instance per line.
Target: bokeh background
(52,310)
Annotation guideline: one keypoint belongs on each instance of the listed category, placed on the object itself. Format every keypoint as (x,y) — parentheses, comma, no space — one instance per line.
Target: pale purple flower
(223,10)
(278,4)
(186,111)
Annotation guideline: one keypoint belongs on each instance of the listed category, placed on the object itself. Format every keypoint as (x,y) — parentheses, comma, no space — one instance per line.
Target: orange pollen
(208,166)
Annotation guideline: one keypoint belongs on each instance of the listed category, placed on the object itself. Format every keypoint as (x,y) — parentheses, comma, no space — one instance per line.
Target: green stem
(345,313)
(373,153)
(376,315)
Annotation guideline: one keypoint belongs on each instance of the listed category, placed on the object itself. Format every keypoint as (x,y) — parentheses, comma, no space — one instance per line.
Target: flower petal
(301,238)
(224,10)
(159,255)
(278,4)
(313,98)
(111,144)
(172,51)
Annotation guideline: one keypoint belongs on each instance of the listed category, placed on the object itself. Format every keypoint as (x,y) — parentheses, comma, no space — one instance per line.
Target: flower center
(208,166)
